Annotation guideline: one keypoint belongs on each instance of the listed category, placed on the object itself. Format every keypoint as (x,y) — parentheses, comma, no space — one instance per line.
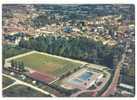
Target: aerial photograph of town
(68,50)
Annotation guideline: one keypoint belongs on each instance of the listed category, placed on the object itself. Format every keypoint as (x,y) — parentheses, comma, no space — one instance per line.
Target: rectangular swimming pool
(85,76)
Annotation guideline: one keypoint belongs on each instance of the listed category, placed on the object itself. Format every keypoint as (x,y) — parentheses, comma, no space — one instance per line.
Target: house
(68,29)
(76,30)
(15,38)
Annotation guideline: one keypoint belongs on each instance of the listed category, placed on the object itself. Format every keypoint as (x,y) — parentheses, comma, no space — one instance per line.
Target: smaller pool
(85,76)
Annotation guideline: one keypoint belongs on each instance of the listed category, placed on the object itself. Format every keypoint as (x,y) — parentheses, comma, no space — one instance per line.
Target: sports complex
(49,69)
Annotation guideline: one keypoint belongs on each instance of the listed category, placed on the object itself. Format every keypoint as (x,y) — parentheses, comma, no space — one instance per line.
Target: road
(27,84)
(113,86)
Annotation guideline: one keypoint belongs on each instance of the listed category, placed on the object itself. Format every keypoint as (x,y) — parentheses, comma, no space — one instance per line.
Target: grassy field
(6,81)
(22,91)
(47,64)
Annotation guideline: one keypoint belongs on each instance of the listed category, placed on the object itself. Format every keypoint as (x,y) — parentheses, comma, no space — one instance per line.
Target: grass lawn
(22,91)
(48,64)
(6,81)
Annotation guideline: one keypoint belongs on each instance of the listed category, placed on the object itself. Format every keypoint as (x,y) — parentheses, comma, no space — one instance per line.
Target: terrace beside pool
(82,79)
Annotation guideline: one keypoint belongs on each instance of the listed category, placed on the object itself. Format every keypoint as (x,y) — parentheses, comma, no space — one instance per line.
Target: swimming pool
(85,76)
(76,81)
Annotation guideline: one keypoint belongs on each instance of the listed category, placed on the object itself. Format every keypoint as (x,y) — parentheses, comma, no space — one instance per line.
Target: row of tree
(80,48)
(17,66)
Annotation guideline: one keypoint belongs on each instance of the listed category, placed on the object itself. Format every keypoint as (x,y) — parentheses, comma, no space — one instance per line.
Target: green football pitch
(48,64)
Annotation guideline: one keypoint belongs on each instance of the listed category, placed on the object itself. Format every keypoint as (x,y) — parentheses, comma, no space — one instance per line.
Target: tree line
(80,48)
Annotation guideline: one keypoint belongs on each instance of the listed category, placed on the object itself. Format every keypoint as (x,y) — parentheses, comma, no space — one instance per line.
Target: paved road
(29,85)
(113,86)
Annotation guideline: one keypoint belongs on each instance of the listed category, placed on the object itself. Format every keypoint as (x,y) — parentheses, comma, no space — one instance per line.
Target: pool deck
(71,81)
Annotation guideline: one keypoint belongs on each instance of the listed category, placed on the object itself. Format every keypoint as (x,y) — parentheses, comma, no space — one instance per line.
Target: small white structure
(23,77)
(93,82)
(34,82)
(76,30)
(12,73)
(100,76)
(6,65)
(126,86)
(17,41)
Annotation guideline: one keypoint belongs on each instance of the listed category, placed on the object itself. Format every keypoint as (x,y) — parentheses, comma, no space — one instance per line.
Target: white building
(126,86)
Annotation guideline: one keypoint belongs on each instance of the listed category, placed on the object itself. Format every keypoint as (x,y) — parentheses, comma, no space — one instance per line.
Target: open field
(6,81)
(22,91)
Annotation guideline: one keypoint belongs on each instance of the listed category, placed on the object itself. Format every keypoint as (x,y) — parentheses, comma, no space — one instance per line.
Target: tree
(22,67)
(15,65)
(12,63)
(75,47)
